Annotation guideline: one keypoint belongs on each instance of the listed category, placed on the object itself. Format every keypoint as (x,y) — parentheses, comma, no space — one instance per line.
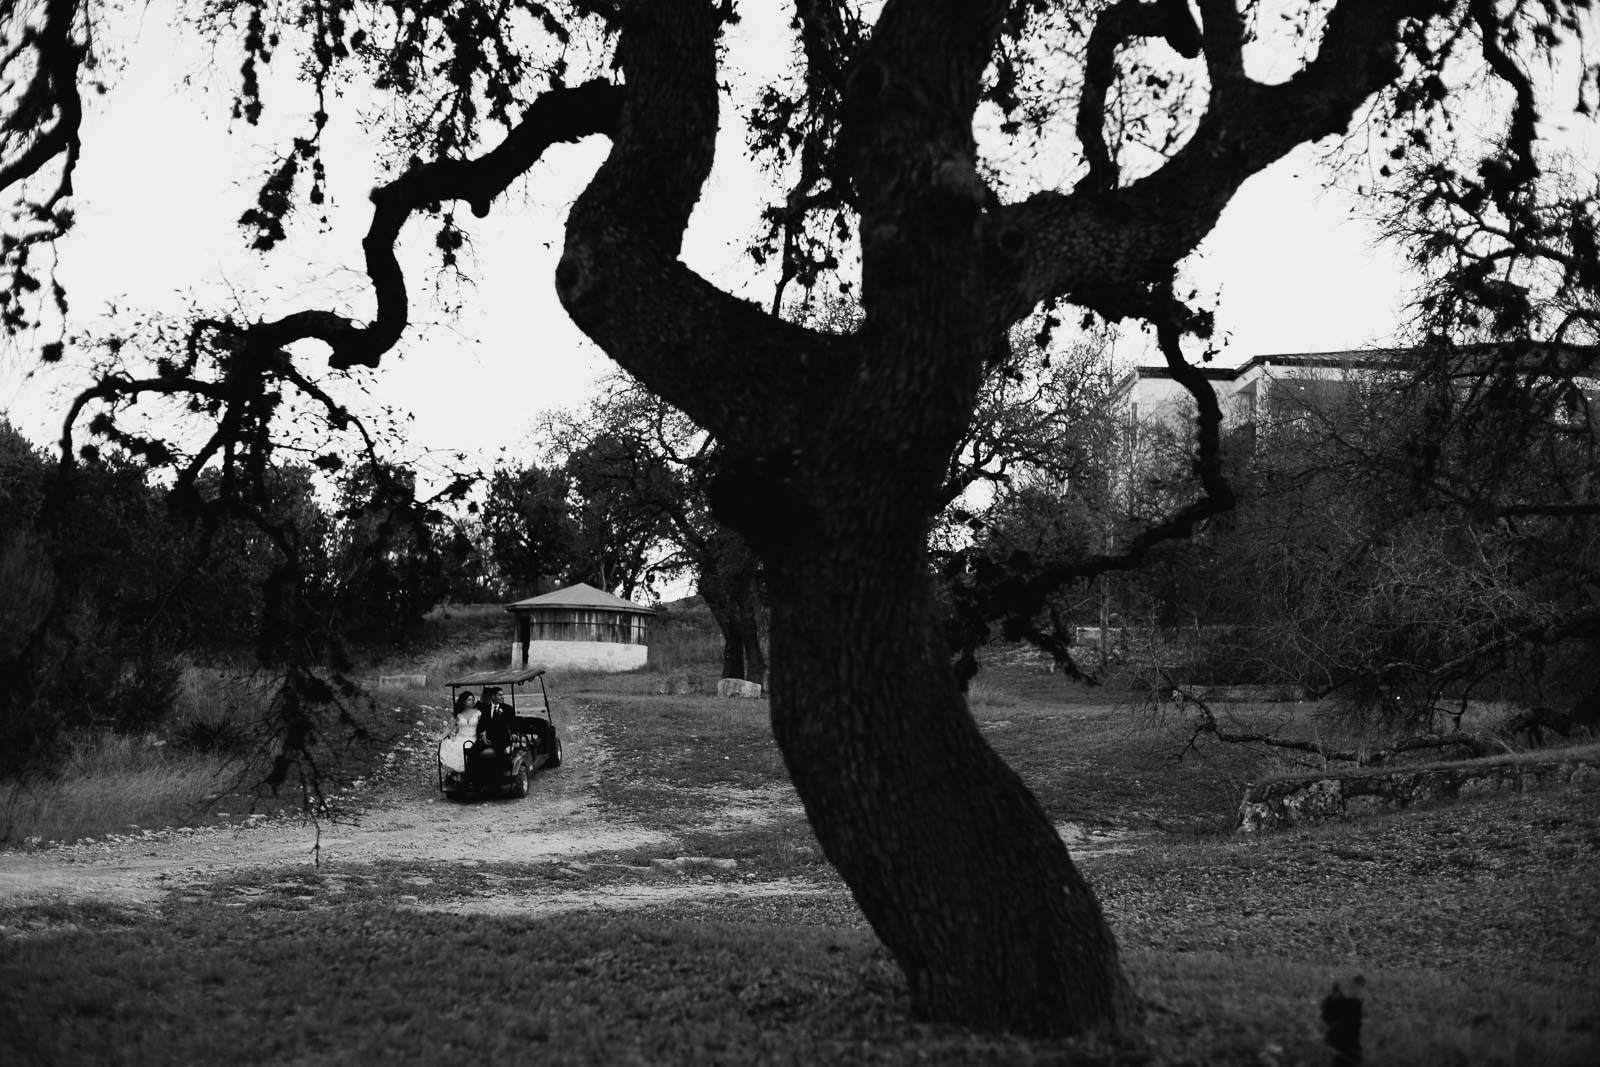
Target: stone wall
(1317,798)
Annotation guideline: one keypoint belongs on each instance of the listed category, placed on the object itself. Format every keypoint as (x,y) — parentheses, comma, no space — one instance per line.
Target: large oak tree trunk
(833,453)
(948,854)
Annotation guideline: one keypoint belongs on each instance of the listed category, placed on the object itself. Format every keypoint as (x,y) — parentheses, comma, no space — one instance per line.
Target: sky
(1296,267)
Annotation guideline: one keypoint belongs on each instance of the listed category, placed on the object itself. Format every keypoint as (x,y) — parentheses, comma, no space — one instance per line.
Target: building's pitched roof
(579,596)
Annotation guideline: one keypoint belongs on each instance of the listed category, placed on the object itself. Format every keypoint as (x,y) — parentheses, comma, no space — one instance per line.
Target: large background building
(1261,390)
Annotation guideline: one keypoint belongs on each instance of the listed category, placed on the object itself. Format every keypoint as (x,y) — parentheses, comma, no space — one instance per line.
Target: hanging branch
(251,360)
(1120,24)
(559,115)
(40,126)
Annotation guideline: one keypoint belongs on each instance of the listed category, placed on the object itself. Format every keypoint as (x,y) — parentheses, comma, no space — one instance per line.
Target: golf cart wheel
(521,787)
(555,754)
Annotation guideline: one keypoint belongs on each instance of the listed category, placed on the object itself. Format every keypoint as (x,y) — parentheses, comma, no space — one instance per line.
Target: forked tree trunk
(834,448)
(948,854)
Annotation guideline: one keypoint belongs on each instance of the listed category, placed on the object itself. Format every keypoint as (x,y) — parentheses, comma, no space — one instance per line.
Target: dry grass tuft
(112,785)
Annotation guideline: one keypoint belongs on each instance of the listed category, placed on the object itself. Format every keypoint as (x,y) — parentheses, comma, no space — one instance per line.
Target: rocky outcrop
(1317,798)
(738,687)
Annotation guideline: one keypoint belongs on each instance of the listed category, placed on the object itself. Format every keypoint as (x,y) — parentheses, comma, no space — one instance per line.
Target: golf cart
(496,744)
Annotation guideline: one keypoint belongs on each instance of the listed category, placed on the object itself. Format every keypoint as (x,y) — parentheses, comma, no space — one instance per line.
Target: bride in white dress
(453,749)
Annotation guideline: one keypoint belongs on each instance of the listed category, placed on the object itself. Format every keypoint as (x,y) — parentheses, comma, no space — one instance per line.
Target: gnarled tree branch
(1120,23)
(46,112)
(733,369)
(1054,245)
(558,115)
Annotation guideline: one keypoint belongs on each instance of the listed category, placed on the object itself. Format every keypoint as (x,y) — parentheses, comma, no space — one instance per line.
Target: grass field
(1475,926)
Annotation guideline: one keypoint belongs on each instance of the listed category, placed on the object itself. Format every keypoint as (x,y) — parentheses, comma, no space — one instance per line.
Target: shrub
(143,695)
(225,737)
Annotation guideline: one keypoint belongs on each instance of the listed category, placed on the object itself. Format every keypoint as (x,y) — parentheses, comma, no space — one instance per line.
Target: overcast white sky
(1297,268)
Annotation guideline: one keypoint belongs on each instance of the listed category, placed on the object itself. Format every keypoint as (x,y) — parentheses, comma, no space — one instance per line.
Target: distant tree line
(109,583)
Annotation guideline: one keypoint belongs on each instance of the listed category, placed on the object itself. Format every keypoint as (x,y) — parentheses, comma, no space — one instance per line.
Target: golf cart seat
(539,729)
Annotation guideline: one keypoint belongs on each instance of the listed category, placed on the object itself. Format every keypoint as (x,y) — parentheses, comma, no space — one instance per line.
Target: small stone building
(580,627)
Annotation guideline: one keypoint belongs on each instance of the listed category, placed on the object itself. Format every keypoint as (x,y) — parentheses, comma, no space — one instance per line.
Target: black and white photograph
(800,533)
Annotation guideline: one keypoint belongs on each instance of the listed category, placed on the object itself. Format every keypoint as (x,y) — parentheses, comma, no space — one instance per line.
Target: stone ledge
(1318,798)
(403,681)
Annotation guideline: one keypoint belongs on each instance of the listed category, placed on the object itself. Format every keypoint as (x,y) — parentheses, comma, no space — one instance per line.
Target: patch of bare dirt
(1096,840)
(740,809)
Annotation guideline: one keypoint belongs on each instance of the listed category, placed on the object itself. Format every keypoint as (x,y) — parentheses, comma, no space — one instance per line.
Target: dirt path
(403,819)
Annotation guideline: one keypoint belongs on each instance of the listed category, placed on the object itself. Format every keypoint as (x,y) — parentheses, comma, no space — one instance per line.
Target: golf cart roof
(507,677)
